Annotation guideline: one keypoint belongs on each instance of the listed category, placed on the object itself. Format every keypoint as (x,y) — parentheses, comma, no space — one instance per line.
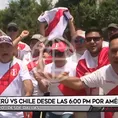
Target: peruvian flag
(86,65)
(112,114)
(57,20)
(23,46)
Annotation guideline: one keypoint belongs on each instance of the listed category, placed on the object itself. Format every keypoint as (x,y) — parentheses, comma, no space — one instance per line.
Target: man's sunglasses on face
(95,39)
(12,29)
(79,40)
(57,53)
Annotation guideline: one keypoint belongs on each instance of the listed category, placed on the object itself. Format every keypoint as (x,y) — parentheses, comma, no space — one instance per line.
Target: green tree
(107,13)
(67,3)
(86,14)
(25,13)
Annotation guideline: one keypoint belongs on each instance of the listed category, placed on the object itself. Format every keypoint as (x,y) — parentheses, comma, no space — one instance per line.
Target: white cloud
(54,1)
(3,4)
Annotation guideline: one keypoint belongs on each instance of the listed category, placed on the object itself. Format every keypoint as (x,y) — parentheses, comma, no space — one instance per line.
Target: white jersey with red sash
(107,79)
(55,88)
(12,75)
(24,52)
(57,22)
(32,69)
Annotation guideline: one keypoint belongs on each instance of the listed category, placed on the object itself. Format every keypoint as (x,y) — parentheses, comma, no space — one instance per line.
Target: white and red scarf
(57,20)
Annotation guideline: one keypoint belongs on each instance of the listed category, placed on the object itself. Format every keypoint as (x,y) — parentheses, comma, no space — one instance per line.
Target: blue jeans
(52,115)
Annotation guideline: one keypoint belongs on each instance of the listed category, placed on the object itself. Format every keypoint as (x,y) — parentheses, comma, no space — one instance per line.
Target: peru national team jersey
(107,79)
(51,68)
(56,89)
(24,52)
(12,75)
(32,67)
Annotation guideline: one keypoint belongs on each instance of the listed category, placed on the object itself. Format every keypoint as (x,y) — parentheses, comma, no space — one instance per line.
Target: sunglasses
(95,39)
(79,40)
(12,29)
(57,53)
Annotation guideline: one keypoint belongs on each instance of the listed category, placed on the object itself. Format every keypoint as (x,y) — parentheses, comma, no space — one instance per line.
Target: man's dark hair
(113,36)
(94,29)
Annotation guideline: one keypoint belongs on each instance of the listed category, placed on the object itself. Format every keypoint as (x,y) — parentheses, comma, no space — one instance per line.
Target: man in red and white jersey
(24,51)
(60,64)
(95,57)
(14,76)
(37,63)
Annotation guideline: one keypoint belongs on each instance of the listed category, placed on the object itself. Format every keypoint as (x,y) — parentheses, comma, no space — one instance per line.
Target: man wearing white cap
(35,40)
(37,47)
(14,76)
(78,41)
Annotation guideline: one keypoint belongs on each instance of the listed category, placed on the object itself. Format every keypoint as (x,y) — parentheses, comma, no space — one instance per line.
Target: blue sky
(4,3)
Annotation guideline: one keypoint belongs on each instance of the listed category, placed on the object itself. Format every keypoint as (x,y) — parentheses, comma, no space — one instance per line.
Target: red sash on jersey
(114,91)
(82,69)
(8,77)
(32,65)
(28,114)
(48,60)
(54,22)
(21,46)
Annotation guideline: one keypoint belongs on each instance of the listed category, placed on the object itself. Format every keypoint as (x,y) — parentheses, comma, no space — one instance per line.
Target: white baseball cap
(38,37)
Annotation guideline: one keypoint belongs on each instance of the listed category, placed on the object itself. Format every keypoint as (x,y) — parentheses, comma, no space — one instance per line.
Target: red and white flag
(57,20)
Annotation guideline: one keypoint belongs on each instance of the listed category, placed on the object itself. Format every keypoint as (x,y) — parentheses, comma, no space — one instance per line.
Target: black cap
(12,24)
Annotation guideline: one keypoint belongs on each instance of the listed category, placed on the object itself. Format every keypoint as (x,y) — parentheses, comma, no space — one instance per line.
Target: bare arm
(71,27)
(24,34)
(43,84)
(91,80)
(74,83)
(16,41)
(71,82)
(28,86)
(41,62)
(42,28)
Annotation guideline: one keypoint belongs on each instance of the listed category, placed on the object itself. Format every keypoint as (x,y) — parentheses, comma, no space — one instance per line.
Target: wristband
(20,36)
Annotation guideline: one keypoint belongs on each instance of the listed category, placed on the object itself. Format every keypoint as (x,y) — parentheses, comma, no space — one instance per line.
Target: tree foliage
(86,14)
(25,13)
